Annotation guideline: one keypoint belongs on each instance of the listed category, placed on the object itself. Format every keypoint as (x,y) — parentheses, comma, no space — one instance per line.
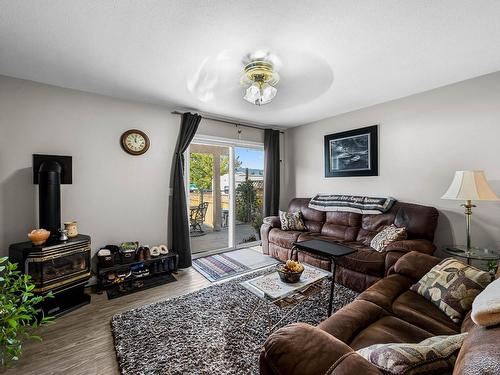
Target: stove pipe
(49,196)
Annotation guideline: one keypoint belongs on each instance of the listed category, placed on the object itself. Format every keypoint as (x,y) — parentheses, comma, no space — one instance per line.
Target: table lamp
(470,186)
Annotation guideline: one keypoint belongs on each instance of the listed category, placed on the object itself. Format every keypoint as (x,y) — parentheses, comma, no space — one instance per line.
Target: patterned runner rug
(208,331)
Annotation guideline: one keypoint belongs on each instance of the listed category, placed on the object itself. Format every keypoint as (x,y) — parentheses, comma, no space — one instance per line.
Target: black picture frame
(352,153)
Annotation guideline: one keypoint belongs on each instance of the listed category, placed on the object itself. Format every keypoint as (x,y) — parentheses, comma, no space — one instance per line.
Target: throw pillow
(388,235)
(435,355)
(452,285)
(291,220)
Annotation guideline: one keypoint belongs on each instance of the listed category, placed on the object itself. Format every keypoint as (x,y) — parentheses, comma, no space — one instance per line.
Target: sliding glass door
(225,183)
(249,194)
(208,200)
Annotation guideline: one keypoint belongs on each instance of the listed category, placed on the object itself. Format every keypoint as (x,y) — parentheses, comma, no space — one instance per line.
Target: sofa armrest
(415,264)
(353,363)
(422,246)
(397,249)
(269,223)
(273,221)
(301,349)
(480,352)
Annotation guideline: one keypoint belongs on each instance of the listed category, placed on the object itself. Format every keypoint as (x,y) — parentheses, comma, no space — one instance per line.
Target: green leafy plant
(246,201)
(250,238)
(201,170)
(257,222)
(492,266)
(249,207)
(19,314)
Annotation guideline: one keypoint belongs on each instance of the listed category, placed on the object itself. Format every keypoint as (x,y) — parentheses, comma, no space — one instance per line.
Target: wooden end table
(329,250)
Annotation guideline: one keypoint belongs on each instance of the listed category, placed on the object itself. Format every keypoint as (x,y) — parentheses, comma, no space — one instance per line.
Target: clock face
(135,142)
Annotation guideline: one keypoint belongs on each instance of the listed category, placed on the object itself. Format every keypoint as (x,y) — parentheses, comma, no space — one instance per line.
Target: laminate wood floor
(81,342)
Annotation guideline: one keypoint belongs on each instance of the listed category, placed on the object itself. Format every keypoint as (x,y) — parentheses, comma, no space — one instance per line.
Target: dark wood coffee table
(325,249)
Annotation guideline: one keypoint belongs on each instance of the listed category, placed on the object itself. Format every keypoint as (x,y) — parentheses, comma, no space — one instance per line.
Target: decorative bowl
(38,236)
(288,276)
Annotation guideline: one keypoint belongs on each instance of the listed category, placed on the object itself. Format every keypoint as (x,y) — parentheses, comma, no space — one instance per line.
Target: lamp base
(468,213)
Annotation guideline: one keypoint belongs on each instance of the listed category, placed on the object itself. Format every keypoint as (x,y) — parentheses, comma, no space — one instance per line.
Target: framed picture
(352,153)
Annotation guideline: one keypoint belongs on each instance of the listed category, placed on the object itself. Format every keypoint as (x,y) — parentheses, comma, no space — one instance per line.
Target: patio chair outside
(197,217)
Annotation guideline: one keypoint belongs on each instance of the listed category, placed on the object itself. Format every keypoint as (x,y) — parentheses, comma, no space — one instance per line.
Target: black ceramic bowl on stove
(288,276)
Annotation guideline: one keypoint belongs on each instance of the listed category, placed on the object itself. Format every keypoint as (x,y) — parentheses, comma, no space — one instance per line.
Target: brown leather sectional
(386,312)
(366,266)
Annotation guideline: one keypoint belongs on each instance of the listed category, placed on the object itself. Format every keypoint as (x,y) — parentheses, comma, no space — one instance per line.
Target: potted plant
(19,314)
(492,267)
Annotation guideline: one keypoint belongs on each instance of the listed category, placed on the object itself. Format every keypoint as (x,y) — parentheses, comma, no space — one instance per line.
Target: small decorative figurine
(64,235)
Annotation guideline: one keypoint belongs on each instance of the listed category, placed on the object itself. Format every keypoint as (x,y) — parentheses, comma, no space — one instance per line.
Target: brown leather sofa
(366,266)
(386,312)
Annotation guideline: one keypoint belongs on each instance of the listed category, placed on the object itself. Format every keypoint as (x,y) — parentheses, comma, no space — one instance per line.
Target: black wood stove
(60,267)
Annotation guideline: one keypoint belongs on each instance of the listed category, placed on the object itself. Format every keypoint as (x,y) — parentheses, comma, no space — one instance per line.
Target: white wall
(114,197)
(423,139)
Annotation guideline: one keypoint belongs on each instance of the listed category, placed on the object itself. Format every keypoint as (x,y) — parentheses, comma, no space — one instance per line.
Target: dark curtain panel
(180,220)
(271,172)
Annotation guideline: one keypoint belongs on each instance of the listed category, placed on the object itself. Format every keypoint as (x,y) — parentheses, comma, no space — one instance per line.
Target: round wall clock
(135,142)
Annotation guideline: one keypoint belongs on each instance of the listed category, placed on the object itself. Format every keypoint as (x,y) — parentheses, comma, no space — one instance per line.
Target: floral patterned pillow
(452,286)
(435,355)
(387,236)
(291,220)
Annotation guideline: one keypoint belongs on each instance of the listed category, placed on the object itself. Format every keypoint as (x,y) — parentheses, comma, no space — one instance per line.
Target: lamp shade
(470,185)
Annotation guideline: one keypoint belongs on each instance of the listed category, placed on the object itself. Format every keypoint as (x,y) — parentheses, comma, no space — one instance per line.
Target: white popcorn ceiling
(335,56)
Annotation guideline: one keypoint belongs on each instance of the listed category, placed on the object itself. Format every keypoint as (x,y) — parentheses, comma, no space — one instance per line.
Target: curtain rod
(224,121)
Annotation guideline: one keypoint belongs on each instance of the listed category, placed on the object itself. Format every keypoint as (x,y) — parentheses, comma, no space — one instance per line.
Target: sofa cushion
(420,221)
(309,214)
(387,290)
(314,260)
(313,219)
(388,329)
(372,224)
(452,286)
(354,280)
(386,236)
(419,311)
(283,238)
(346,323)
(433,355)
(313,226)
(365,259)
(343,225)
(279,252)
(291,220)
(304,236)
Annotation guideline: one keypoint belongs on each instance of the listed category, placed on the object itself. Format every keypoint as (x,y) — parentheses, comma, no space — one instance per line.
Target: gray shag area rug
(206,332)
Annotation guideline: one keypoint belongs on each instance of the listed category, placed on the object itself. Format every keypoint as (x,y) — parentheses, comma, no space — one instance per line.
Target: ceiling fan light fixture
(260,93)
(268,93)
(262,78)
(252,93)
